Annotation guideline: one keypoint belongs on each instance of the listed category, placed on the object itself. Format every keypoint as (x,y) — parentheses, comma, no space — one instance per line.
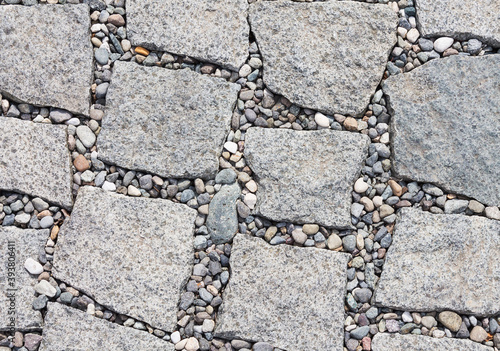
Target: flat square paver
(69,329)
(17,245)
(171,123)
(325,55)
(442,262)
(447,134)
(460,19)
(305,176)
(290,297)
(398,342)
(35,160)
(46,57)
(213,31)
(133,255)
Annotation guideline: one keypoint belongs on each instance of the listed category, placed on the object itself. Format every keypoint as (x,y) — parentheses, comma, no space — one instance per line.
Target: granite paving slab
(171,123)
(213,31)
(442,262)
(69,329)
(35,160)
(305,176)
(133,255)
(398,342)
(329,56)
(460,19)
(46,57)
(16,246)
(447,134)
(292,298)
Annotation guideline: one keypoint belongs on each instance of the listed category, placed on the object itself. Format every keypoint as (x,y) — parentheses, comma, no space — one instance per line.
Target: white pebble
(109,186)
(33,266)
(443,43)
(231,147)
(360,186)
(321,120)
(175,337)
(245,70)
(412,35)
(250,200)
(44,288)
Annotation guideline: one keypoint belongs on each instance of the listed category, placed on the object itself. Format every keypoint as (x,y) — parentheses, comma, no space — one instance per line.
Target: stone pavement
(250,175)
(132,254)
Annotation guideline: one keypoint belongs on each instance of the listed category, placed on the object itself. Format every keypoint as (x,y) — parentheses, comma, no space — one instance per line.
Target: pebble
(492,212)
(412,35)
(455,206)
(478,334)
(86,136)
(450,320)
(250,200)
(226,176)
(231,147)
(109,186)
(133,191)
(360,186)
(443,43)
(101,56)
(46,222)
(44,288)
(32,266)
(321,120)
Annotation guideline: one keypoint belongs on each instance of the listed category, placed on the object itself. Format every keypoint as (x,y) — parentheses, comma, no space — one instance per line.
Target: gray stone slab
(213,31)
(133,255)
(460,19)
(19,244)
(305,176)
(171,123)
(447,134)
(328,56)
(290,297)
(69,329)
(398,342)
(35,160)
(46,57)
(442,262)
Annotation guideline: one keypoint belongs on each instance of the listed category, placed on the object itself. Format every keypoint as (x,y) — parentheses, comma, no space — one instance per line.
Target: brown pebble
(54,232)
(141,51)
(81,163)
(44,276)
(396,188)
(116,19)
(351,124)
(44,213)
(449,52)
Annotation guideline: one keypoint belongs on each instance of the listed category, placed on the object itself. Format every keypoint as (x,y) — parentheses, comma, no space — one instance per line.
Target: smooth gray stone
(398,342)
(460,19)
(133,255)
(27,244)
(46,57)
(441,262)
(35,160)
(305,176)
(182,138)
(222,219)
(329,56)
(213,31)
(270,293)
(447,134)
(68,328)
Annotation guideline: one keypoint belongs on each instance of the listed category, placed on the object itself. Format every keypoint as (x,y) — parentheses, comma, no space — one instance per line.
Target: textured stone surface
(447,134)
(67,328)
(213,31)
(171,123)
(35,160)
(329,56)
(46,56)
(27,244)
(305,176)
(270,293)
(132,254)
(398,342)
(222,220)
(460,19)
(441,262)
